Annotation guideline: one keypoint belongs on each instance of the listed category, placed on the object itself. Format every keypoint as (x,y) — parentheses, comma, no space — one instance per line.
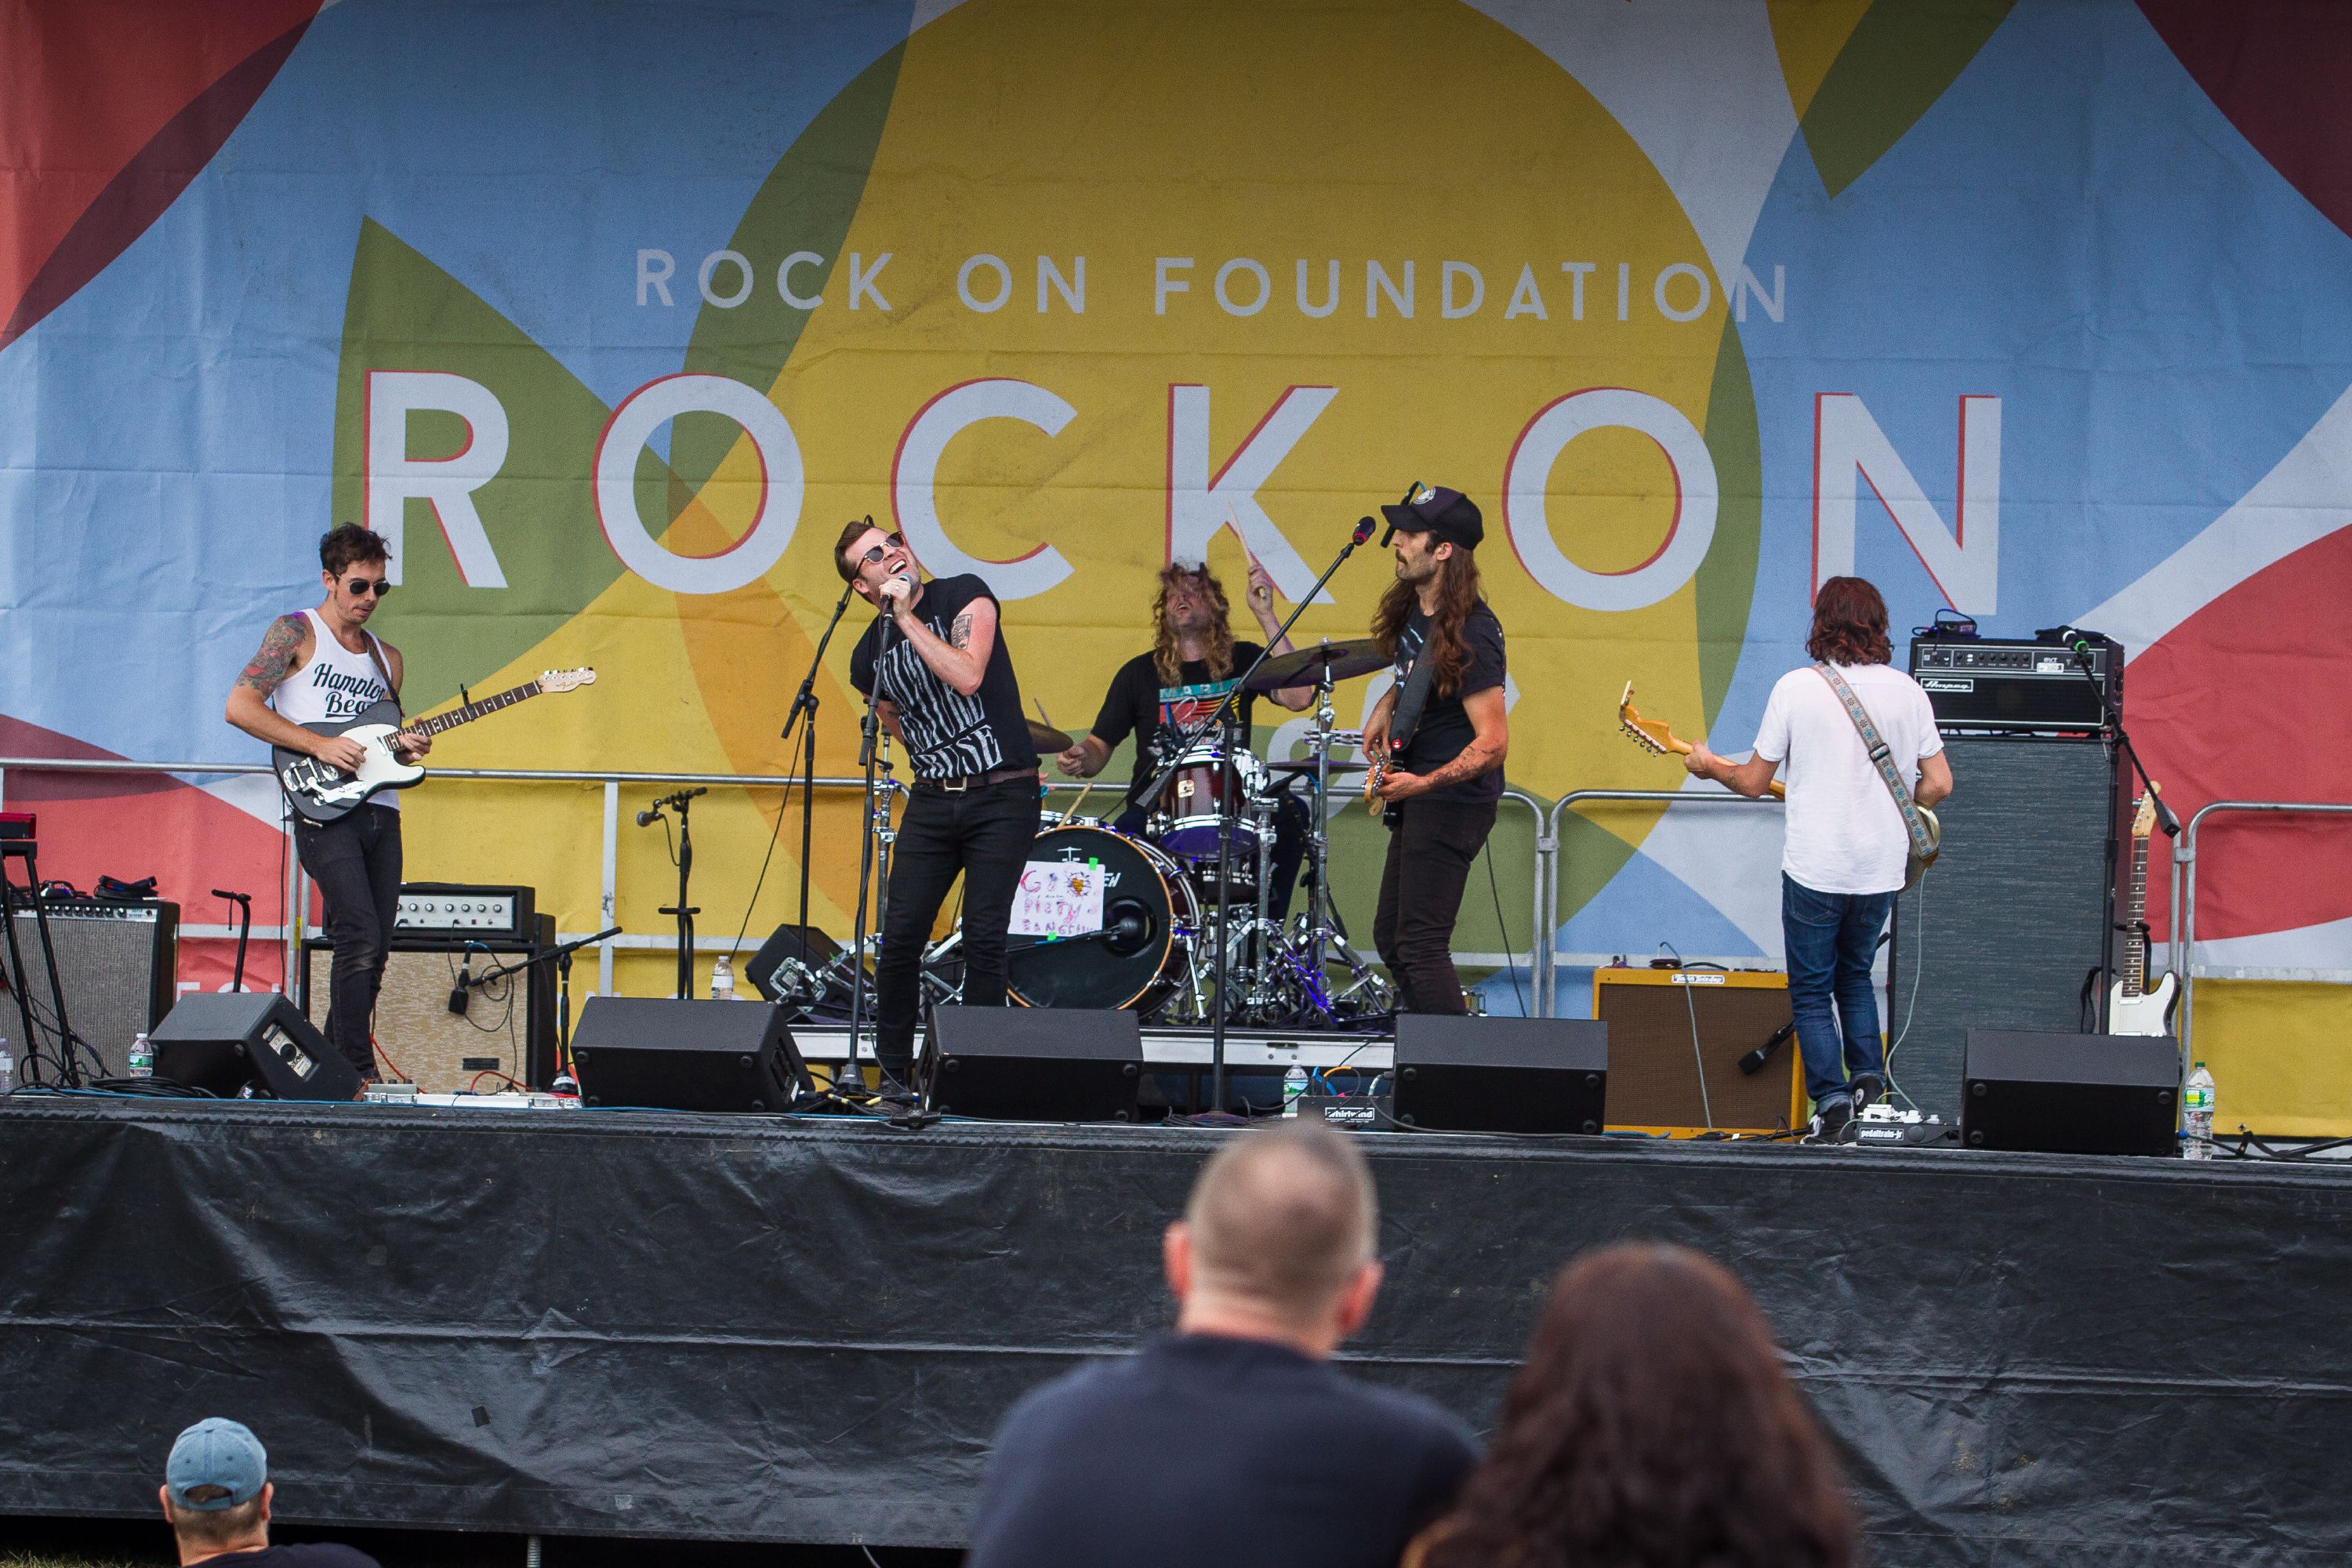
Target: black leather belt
(973,781)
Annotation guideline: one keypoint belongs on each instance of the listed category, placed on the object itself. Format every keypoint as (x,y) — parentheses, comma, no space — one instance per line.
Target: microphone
(1753,1062)
(1364,526)
(644,819)
(460,994)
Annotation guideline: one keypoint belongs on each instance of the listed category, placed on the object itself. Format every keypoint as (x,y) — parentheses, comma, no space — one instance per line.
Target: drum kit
(1154,950)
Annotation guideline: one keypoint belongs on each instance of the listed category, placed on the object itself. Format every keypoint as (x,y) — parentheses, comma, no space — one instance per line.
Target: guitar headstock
(566,679)
(1649,735)
(2143,819)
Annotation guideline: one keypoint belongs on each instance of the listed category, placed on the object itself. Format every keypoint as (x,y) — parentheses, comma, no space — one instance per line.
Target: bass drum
(1144,950)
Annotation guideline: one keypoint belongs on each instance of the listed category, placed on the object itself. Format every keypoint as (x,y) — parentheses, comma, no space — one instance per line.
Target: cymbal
(1299,668)
(1046,739)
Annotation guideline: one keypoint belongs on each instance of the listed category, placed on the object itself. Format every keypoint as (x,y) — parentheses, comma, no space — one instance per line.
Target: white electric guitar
(319,792)
(2132,1007)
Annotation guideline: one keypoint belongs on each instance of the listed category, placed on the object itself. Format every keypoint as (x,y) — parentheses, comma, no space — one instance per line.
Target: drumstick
(1047,720)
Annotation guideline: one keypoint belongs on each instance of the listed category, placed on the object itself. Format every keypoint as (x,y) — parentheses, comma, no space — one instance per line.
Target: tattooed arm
(284,649)
(1490,741)
(962,659)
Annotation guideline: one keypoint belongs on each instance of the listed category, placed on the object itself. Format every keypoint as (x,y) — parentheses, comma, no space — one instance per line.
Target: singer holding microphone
(938,670)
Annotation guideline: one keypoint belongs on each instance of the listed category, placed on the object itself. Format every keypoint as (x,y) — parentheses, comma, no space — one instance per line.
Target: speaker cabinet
(228,1041)
(116,963)
(687,1055)
(2012,918)
(2072,1094)
(1655,1073)
(1502,1075)
(1035,1064)
(810,981)
(508,1027)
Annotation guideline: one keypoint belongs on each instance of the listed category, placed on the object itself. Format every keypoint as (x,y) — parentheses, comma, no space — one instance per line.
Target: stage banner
(609,319)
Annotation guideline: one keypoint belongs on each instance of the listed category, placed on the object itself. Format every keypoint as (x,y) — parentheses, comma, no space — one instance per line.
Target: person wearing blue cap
(216,1493)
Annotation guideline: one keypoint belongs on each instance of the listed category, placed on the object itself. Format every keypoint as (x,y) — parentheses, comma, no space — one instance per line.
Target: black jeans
(356,860)
(1430,852)
(985,833)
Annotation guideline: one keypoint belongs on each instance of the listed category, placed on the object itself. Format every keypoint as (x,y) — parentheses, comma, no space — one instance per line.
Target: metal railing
(2181,955)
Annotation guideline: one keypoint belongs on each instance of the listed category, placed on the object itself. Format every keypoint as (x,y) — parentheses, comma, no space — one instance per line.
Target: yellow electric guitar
(1652,735)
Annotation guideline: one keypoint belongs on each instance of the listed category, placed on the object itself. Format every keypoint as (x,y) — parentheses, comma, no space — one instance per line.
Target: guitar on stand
(319,792)
(2132,1007)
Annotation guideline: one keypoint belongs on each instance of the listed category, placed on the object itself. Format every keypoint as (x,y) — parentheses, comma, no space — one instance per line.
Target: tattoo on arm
(959,634)
(1471,761)
(274,662)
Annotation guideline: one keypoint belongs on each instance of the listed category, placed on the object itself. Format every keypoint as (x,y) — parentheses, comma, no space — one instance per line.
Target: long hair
(1652,1427)
(1218,652)
(1849,624)
(1457,595)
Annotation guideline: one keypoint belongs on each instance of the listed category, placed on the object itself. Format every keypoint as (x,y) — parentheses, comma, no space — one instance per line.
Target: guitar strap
(376,652)
(1412,700)
(1881,758)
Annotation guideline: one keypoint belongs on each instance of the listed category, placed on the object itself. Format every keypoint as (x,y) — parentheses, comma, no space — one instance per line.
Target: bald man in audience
(1234,1441)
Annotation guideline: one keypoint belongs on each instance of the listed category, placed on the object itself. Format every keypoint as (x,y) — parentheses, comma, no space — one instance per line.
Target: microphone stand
(562,956)
(1228,711)
(871,743)
(2112,730)
(805,706)
(685,913)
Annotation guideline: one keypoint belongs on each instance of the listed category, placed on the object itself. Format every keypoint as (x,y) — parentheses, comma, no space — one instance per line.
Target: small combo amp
(457,911)
(2008,686)
(505,1025)
(1502,1075)
(2070,1094)
(240,1042)
(1035,1064)
(116,963)
(1692,1050)
(687,1055)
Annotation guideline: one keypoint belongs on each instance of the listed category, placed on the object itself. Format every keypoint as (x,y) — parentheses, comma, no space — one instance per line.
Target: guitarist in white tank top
(325,665)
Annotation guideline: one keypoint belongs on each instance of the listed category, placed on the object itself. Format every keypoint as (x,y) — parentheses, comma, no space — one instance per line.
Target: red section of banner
(112,106)
(2278,69)
(2243,700)
(147,825)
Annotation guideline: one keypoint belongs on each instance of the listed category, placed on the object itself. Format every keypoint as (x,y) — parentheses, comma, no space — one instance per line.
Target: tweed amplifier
(465,911)
(508,1027)
(116,963)
(1656,1072)
(2000,686)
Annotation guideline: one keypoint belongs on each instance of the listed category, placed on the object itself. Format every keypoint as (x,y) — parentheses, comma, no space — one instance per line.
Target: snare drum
(1185,824)
(1144,950)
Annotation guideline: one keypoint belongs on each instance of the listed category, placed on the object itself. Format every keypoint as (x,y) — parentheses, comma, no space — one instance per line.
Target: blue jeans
(1831,939)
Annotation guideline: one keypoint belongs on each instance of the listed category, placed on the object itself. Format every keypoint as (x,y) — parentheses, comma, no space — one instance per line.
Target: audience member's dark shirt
(308,1554)
(1204,1452)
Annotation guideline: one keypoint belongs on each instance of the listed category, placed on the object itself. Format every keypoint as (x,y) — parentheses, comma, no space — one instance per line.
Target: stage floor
(648,1323)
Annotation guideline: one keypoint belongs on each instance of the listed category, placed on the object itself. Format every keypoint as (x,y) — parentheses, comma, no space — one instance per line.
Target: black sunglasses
(363,586)
(890,542)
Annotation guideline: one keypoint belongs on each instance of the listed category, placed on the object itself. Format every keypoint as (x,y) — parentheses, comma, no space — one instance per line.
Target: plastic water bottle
(722,979)
(143,1057)
(1294,1084)
(8,1067)
(2197,1115)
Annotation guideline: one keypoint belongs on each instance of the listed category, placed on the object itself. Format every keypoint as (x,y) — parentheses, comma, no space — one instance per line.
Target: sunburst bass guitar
(319,792)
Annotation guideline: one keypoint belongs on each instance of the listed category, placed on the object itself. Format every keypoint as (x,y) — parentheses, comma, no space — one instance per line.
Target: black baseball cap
(1450,515)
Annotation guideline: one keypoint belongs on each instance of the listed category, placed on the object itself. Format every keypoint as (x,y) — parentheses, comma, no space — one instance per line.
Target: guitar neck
(439,723)
(2134,977)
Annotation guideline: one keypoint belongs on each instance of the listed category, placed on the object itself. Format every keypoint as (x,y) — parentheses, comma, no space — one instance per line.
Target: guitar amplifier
(2010,685)
(508,1027)
(116,961)
(465,911)
(1655,1073)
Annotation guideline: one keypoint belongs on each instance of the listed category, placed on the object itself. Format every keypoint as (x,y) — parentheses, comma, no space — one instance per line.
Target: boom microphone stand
(805,706)
(1228,712)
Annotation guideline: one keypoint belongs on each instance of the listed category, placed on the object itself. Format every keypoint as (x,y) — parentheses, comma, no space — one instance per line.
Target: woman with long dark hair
(1651,1427)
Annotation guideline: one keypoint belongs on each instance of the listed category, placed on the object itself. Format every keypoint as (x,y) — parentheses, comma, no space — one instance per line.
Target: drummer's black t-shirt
(1139,704)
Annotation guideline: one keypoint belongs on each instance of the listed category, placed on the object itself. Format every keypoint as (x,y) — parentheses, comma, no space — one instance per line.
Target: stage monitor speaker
(2072,1094)
(116,963)
(229,1042)
(508,1027)
(1035,1064)
(687,1055)
(817,981)
(2005,927)
(1502,1075)
(1653,1074)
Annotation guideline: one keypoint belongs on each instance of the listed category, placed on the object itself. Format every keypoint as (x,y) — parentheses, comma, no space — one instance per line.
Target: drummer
(1159,696)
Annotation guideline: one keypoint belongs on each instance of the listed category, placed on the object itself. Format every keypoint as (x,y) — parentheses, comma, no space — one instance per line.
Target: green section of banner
(538,511)
(1725,580)
(806,204)
(1901,57)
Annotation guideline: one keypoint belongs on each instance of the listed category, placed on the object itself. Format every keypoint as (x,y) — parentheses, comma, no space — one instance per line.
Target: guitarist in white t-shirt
(1846,843)
(320,665)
